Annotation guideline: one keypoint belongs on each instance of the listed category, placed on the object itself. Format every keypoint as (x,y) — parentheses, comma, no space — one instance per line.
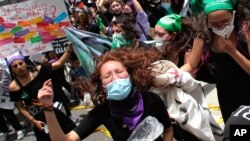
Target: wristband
(49,108)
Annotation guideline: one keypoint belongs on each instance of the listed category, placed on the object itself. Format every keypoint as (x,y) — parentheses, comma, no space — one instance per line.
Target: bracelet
(49,108)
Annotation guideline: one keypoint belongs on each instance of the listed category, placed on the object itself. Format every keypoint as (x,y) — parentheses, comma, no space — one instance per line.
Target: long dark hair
(181,43)
(243,10)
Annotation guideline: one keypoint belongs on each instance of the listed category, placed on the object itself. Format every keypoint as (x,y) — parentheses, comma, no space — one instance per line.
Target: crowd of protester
(194,41)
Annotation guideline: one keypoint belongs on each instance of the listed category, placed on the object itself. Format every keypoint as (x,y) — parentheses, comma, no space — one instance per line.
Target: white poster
(31,26)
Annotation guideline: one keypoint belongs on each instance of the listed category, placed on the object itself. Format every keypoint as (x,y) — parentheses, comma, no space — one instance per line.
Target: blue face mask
(118,89)
(167,7)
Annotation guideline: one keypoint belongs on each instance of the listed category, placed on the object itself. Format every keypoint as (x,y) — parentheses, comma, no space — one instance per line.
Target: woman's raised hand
(46,95)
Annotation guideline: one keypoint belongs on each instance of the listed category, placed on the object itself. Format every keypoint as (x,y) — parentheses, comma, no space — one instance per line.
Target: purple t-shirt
(142,19)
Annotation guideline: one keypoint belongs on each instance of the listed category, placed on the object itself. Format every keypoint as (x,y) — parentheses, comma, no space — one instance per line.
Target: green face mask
(119,40)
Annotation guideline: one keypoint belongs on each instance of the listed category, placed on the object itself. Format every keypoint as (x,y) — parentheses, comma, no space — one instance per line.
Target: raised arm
(194,59)
(45,96)
(61,61)
(100,6)
(137,5)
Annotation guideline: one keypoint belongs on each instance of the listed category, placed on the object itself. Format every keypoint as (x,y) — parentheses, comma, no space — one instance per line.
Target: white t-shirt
(5,80)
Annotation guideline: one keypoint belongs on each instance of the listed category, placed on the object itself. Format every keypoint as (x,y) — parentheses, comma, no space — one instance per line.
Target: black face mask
(120,108)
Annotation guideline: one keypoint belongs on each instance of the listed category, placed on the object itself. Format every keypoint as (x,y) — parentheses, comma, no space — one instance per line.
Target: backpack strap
(148,38)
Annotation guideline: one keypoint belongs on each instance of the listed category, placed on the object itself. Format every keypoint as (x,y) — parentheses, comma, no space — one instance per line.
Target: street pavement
(211,97)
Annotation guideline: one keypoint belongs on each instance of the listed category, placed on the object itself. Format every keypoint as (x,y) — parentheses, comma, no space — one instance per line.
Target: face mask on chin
(226,31)
(159,45)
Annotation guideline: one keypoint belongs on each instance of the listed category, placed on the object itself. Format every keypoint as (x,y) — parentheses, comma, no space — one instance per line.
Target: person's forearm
(195,56)
(62,60)
(248,47)
(24,112)
(168,134)
(100,6)
(55,130)
(28,116)
(241,60)
(187,67)
(137,5)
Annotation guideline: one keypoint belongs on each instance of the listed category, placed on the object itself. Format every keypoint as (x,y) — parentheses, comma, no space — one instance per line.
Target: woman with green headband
(231,51)
(174,33)
(175,39)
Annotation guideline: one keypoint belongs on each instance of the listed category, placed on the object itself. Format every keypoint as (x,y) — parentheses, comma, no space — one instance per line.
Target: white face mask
(226,31)
(159,44)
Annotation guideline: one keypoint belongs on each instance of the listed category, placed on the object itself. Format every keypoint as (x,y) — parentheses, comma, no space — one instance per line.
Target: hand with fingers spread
(46,95)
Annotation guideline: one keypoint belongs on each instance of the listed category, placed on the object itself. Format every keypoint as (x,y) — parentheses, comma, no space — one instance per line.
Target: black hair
(127,23)
(30,66)
(181,43)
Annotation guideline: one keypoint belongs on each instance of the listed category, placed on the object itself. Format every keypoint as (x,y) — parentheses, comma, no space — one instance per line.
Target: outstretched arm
(45,96)
(61,61)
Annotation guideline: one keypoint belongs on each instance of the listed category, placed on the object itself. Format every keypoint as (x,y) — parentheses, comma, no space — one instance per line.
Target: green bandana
(214,5)
(171,22)
(120,40)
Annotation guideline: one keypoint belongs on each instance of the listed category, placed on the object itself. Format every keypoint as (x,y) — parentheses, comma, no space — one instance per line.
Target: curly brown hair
(136,60)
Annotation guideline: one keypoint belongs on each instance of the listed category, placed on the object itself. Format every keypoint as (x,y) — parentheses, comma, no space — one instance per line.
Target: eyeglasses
(217,26)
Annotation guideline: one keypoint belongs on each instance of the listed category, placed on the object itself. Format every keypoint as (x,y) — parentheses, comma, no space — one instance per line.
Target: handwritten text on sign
(31,26)
(29,10)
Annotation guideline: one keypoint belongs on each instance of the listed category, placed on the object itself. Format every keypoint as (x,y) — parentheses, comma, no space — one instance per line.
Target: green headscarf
(171,22)
(214,5)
